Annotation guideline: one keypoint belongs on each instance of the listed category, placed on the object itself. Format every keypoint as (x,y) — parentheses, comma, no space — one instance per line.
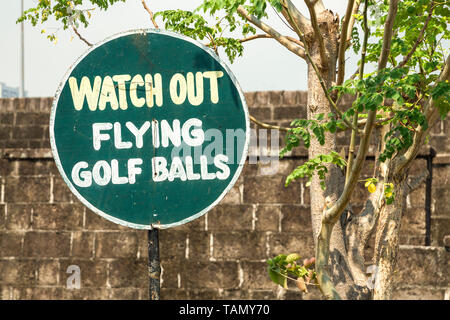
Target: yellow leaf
(292,257)
(388,194)
(367,183)
(372,188)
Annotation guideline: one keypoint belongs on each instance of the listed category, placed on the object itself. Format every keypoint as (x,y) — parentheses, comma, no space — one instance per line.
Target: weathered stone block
(267,217)
(27,189)
(172,244)
(35,168)
(418,293)
(11,244)
(128,273)
(46,244)
(83,244)
(199,245)
(295,218)
(18,272)
(212,275)
(38,293)
(58,216)
(269,189)
(230,217)
(441,204)
(440,227)
(61,192)
(262,98)
(116,244)
(96,222)
(28,132)
(124,294)
(289,113)
(256,276)
(85,294)
(48,271)
(260,113)
(419,265)
(239,245)
(287,243)
(18,216)
(413,222)
(250,98)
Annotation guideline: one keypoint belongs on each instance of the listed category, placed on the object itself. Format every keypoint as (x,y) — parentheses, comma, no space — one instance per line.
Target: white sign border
(87,203)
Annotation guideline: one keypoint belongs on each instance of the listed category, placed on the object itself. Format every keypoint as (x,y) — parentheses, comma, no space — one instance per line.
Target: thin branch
(431,114)
(343,42)
(312,12)
(300,20)
(387,37)
(267,126)
(150,13)
(420,38)
(301,44)
(351,150)
(282,20)
(272,32)
(81,37)
(268,36)
(352,22)
(316,70)
(341,203)
(256,36)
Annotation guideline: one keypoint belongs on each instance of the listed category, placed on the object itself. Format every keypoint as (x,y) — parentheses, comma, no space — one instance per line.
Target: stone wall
(44,228)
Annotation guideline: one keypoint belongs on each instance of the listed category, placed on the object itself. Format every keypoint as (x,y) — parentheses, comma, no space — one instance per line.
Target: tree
(395,105)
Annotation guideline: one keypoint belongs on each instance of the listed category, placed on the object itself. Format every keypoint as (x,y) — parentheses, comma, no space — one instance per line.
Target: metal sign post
(154,266)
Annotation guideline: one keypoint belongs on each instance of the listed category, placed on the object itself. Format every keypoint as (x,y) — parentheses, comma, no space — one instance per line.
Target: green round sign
(149,129)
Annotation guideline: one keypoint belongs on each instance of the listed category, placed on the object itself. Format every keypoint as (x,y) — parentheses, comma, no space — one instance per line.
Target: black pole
(429,184)
(154,267)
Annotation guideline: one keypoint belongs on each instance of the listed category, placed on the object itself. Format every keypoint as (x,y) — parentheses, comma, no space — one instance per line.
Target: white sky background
(265,64)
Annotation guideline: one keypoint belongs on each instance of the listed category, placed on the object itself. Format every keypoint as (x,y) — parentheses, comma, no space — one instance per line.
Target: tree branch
(431,114)
(358,232)
(272,32)
(387,37)
(361,74)
(256,36)
(81,37)
(150,13)
(312,12)
(316,70)
(266,125)
(332,213)
(302,22)
(268,36)
(419,38)
(352,21)
(343,42)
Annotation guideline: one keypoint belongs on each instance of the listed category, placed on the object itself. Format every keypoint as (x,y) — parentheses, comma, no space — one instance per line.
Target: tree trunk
(318,103)
(387,240)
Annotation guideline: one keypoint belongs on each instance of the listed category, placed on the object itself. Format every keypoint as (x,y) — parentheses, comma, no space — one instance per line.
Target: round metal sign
(149,129)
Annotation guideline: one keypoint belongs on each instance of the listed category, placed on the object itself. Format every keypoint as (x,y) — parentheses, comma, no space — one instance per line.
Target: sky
(265,65)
